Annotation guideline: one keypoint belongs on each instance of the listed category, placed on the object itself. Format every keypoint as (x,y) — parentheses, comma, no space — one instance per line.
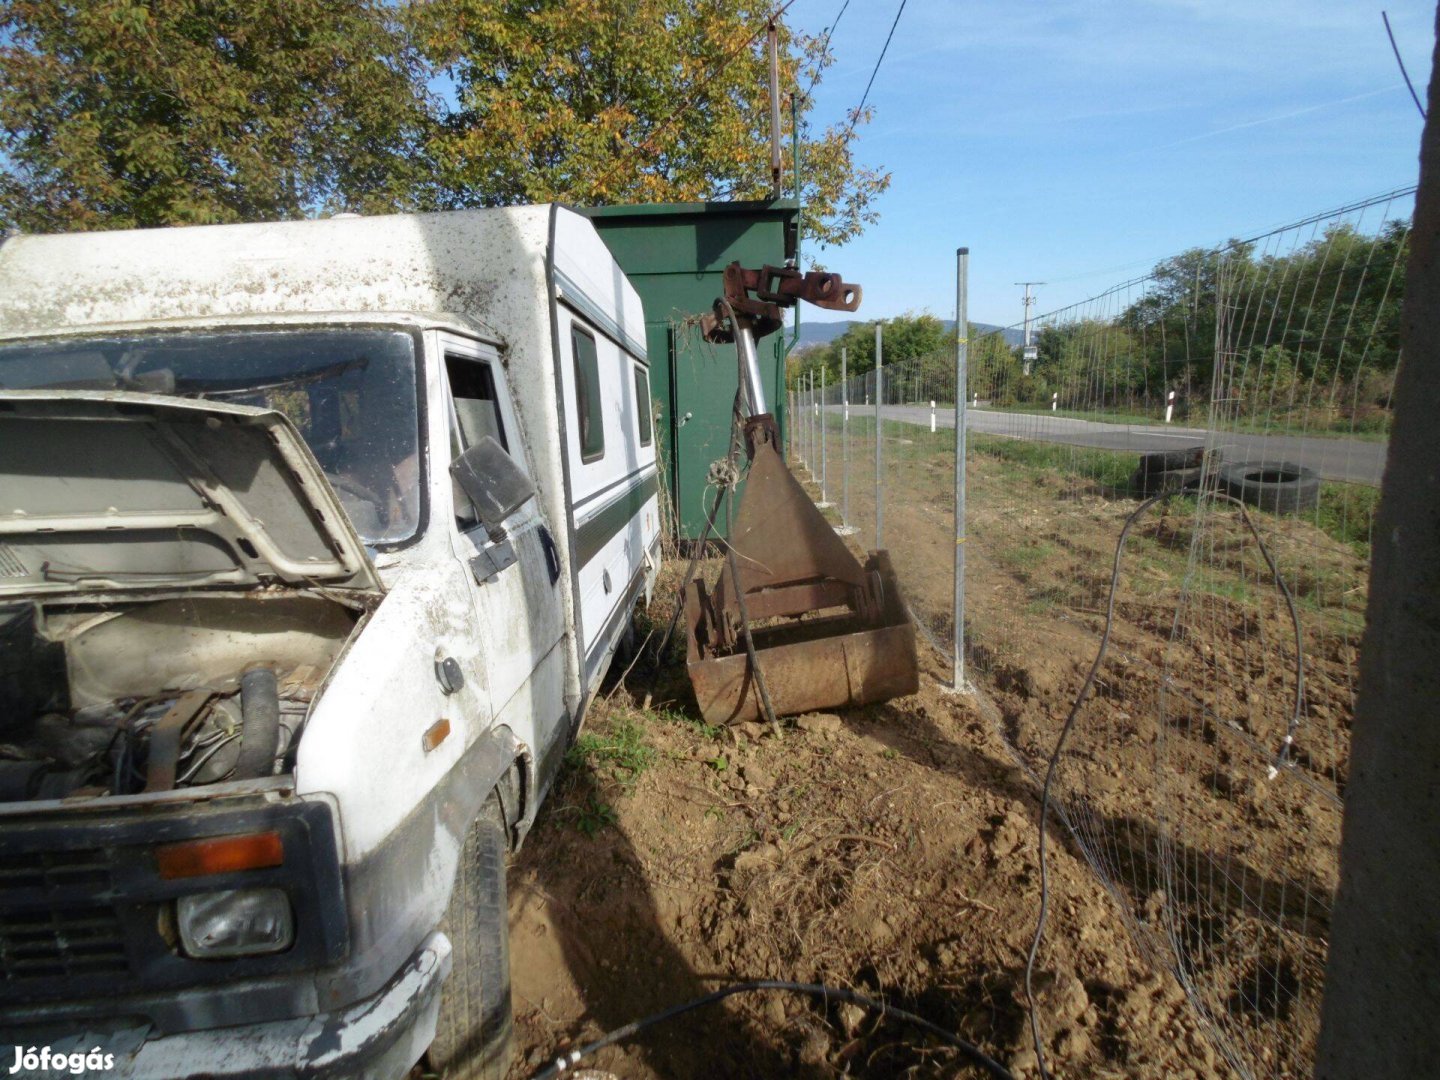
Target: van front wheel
(472,1032)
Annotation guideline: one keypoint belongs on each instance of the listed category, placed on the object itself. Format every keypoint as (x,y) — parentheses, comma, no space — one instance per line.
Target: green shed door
(704,385)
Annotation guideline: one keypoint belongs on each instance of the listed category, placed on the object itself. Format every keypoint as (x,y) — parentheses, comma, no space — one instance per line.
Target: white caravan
(315,541)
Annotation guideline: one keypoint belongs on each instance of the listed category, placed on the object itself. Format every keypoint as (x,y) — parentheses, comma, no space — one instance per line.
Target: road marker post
(1169,406)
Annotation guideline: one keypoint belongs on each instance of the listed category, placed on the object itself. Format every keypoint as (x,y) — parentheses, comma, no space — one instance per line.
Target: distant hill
(813,334)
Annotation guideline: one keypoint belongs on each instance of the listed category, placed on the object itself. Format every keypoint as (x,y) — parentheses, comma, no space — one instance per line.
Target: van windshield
(351,393)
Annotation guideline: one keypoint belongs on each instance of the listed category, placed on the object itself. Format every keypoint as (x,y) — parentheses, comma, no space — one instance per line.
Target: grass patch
(1295,423)
(1109,469)
(1024,557)
(1347,513)
(623,751)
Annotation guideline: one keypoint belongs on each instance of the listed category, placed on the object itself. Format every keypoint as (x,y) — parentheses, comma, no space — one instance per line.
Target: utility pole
(774,36)
(1029,354)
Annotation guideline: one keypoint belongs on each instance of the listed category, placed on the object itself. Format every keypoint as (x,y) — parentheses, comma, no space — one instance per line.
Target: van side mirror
(493,482)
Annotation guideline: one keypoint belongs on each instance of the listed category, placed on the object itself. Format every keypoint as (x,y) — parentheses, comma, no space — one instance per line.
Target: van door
(519,608)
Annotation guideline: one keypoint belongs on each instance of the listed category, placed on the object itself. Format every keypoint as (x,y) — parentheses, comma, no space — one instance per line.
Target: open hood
(122,492)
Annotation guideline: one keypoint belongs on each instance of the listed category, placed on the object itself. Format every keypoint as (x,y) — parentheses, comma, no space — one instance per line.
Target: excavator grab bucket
(827,631)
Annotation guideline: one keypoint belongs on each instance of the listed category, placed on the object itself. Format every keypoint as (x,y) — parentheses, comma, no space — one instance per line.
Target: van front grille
(53,935)
(76,943)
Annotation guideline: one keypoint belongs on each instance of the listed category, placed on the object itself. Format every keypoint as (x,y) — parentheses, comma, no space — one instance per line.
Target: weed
(622,749)
(713,732)
(594,816)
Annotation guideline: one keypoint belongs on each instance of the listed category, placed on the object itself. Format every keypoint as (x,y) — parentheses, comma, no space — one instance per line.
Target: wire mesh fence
(894,492)
(1249,387)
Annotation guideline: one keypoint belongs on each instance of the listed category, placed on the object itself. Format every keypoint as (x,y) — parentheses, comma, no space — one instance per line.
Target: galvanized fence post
(879,396)
(844,439)
(813,452)
(824,468)
(962,365)
(809,422)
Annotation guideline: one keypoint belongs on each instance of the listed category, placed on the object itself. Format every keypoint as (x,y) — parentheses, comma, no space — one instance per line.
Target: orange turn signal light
(220,855)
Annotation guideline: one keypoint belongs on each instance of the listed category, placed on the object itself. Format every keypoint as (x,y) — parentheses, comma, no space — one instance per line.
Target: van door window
(642,404)
(477,414)
(587,395)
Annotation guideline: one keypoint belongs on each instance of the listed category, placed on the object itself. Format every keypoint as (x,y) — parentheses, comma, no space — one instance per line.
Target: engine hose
(969,1051)
(259,725)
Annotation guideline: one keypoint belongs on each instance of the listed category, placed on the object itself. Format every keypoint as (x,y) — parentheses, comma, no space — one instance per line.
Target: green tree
(905,337)
(118,113)
(612,101)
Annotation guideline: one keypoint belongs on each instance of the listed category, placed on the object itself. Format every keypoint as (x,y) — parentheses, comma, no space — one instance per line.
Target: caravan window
(587,396)
(642,404)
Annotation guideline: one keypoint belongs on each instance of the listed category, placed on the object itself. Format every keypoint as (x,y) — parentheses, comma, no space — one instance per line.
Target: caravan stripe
(612,517)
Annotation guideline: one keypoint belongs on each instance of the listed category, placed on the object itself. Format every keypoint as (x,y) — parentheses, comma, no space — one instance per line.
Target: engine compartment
(152,696)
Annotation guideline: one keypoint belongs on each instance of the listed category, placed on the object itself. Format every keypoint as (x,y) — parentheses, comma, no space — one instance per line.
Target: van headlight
(235,922)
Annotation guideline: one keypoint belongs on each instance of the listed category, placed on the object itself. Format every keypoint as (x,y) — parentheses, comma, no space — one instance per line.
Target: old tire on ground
(1162,461)
(1144,484)
(472,1032)
(1280,487)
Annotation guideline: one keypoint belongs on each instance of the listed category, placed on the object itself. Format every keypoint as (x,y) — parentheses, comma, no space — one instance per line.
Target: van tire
(1281,487)
(475,1023)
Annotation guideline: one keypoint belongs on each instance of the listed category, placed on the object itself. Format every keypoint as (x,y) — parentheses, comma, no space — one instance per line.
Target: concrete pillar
(1382,987)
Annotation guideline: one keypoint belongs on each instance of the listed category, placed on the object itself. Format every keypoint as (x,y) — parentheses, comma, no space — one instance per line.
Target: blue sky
(1077,142)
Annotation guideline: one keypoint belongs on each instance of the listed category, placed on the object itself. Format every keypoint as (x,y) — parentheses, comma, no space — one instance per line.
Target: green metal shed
(675,254)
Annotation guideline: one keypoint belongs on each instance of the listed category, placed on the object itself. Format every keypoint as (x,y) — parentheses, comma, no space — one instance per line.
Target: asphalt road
(1353,460)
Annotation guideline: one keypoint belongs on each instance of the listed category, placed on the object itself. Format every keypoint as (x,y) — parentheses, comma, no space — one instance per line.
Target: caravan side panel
(608,445)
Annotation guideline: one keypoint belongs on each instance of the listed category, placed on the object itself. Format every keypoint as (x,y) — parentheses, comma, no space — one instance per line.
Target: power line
(1396,50)
(825,44)
(855,116)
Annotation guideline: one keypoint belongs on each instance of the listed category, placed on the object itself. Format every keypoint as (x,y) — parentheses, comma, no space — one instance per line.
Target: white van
(315,541)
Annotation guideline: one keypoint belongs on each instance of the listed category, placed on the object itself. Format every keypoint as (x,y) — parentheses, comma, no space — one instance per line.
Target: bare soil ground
(1194,702)
(892,849)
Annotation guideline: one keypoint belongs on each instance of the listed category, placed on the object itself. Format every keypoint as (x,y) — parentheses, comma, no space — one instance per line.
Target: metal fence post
(879,396)
(824,468)
(844,439)
(810,419)
(962,366)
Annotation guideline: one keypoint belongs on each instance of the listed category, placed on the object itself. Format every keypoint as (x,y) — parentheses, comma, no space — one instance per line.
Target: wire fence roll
(1205,775)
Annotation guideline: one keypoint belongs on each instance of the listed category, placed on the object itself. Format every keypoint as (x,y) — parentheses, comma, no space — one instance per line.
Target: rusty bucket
(828,631)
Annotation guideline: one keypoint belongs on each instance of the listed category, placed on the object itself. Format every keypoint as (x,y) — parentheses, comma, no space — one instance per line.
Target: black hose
(260,723)
(970,1051)
(1282,758)
(1035,1036)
